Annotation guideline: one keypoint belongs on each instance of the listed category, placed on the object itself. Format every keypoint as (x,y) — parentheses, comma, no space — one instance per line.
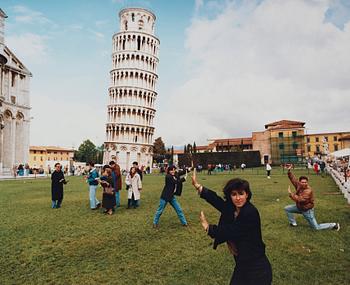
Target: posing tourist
(108,196)
(134,186)
(304,203)
(117,180)
(57,181)
(240,228)
(92,180)
(173,186)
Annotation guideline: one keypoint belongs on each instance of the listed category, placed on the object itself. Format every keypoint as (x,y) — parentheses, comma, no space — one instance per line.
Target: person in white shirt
(268,170)
(134,186)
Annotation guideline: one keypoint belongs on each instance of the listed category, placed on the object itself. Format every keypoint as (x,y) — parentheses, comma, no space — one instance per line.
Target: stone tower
(132,94)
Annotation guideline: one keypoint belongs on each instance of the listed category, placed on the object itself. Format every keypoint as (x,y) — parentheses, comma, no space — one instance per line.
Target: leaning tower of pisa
(132,93)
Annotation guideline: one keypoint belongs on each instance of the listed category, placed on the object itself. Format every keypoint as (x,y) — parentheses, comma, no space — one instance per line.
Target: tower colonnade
(132,93)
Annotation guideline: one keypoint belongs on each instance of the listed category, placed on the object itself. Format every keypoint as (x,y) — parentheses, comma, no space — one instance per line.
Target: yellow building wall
(314,142)
(43,157)
(286,133)
(37,158)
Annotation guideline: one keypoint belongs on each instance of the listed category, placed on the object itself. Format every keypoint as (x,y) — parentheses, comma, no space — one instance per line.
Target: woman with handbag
(108,197)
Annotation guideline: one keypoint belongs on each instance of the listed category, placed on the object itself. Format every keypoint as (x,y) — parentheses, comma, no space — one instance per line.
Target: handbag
(108,190)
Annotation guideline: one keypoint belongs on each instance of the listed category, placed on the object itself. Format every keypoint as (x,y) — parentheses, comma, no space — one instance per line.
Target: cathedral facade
(14,107)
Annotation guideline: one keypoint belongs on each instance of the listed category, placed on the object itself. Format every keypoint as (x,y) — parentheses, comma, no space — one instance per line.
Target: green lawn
(74,245)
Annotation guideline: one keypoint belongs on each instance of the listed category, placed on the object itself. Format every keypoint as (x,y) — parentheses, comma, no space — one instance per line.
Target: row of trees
(160,153)
(88,151)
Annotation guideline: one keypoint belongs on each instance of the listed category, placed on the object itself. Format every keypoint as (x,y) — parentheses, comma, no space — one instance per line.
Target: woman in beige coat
(134,186)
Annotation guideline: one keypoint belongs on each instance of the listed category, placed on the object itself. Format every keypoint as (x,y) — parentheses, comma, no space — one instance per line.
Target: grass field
(74,245)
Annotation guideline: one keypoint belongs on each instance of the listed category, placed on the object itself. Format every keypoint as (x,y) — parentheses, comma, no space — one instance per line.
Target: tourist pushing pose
(304,203)
(239,226)
(173,186)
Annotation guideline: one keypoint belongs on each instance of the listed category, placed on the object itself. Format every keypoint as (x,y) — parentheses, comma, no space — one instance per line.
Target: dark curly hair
(237,184)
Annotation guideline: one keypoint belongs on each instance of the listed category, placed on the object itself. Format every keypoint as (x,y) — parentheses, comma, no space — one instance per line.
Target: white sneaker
(336,227)
(293,224)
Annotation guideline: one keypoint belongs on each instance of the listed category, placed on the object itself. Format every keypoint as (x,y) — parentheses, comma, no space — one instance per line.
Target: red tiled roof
(201,147)
(344,138)
(37,148)
(284,124)
(45,148)
(232,141)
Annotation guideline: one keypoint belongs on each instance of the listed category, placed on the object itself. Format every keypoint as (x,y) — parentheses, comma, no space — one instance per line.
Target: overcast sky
(226,68)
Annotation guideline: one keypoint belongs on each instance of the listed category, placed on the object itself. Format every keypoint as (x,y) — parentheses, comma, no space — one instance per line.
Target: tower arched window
(138,43)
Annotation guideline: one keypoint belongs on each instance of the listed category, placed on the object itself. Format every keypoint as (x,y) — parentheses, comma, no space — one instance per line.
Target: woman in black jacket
(173,186)
(239,226)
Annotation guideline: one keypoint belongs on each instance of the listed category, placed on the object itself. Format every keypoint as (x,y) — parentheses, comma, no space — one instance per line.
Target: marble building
(14,106)
(132,93)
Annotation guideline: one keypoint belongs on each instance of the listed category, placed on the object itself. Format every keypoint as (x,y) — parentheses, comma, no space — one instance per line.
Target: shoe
(336,227)
(293,224)
(98,206)
(185,225)
(155,226)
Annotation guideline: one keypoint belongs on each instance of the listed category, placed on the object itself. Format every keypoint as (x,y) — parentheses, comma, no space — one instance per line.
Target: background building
(47,156)
(281,142)
(129,128)
(324,143)
(14,107)
(230,144)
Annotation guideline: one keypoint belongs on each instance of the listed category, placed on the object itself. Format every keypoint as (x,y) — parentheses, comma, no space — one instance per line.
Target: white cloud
(198,5)
(98,35)
(29,48)
(101,23)
(29,16)
(252,65)
(66,123)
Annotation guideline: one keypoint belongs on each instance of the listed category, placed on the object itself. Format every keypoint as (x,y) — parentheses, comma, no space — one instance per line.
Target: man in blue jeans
(173,186)
(304,203)
(92,180)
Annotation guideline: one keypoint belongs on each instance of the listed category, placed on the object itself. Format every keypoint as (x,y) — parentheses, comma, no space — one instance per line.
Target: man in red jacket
(304,203)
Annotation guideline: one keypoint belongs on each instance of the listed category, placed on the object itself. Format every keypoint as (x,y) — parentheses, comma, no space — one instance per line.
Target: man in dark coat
(57,181)
(173,186)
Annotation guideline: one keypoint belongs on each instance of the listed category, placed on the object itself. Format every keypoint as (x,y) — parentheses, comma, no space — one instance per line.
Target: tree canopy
(87,151)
